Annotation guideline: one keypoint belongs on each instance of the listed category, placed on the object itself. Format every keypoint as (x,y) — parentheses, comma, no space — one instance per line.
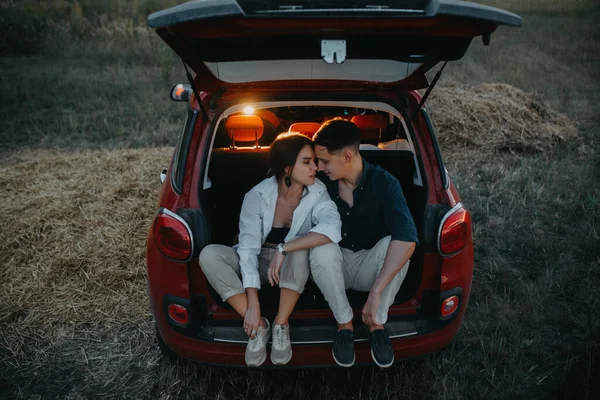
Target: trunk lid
(341,44)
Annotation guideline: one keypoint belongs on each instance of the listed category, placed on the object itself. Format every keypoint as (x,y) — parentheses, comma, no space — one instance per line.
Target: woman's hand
(275,267)
(252,320)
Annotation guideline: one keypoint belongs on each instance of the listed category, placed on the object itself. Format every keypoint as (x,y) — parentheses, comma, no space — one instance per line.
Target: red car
(265,67)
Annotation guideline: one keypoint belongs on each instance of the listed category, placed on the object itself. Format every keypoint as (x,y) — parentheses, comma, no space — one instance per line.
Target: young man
(378,239)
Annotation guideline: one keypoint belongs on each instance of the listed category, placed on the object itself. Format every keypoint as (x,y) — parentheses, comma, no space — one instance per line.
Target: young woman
(282,218)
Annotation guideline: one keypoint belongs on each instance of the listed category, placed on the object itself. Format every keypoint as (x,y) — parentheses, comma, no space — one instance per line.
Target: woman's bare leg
(287,301)
(239,302)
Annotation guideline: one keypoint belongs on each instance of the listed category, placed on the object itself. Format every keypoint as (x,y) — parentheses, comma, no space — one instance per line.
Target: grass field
(87,126)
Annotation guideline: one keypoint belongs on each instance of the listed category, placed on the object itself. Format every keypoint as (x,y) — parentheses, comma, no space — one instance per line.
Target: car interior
(239,161)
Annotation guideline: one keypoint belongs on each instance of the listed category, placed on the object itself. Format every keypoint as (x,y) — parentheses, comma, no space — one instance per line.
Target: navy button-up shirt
(379,210)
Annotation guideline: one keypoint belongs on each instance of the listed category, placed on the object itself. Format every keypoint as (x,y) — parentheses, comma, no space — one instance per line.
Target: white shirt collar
(269,185)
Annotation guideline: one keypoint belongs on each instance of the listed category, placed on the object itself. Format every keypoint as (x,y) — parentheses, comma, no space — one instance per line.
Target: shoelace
(279,336)
(257,341)
(343,337)
(379,337)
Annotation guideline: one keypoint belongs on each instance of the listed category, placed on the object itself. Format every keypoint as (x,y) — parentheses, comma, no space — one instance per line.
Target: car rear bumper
(410,339)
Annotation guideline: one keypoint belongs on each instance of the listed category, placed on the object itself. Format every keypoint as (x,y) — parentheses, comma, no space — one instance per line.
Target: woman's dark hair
(337,134)
(284,152)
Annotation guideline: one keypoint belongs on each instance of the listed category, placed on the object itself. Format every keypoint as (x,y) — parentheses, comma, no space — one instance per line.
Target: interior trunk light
(449,306)
(178,314)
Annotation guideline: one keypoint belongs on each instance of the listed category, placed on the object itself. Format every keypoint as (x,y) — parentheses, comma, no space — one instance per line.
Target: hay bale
(497,117)
(76,222)
(72,265)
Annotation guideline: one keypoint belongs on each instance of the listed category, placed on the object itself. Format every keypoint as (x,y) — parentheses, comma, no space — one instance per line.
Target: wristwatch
(280,249)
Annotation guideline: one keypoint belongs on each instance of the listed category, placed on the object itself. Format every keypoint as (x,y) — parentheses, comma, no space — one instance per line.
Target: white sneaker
(281,349)
(256,350)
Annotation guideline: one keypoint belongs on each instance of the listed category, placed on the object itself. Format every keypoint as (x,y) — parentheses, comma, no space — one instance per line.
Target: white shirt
(315,213)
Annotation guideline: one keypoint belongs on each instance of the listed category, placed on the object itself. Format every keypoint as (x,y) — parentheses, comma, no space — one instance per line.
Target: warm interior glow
(249,110)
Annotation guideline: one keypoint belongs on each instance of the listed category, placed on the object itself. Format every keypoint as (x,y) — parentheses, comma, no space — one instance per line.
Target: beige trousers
(221,266)
(336,269)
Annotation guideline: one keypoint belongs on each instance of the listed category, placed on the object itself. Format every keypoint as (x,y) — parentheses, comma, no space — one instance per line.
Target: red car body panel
(310,355)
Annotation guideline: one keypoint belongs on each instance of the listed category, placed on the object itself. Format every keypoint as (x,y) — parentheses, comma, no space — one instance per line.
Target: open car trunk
(233,172)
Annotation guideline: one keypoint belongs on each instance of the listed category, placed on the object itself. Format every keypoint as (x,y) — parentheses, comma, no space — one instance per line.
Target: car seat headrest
(306,128)
(244,128)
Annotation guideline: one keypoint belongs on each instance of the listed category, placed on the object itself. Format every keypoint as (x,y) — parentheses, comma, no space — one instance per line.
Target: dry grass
(73,299)
(74,312)
(496,117)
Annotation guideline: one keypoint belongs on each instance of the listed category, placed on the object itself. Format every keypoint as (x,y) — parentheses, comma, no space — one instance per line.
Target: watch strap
(280,249)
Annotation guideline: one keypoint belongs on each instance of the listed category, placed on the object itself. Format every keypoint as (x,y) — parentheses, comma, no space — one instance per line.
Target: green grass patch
(71,103)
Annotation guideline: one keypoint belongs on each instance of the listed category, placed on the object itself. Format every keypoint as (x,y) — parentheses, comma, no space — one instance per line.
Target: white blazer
(315,213)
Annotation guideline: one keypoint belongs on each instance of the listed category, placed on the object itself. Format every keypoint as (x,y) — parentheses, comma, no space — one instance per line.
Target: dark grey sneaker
(381,348)
(343,348)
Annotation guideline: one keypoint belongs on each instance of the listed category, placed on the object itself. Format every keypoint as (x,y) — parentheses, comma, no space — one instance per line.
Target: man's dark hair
(284,152)
(337,134)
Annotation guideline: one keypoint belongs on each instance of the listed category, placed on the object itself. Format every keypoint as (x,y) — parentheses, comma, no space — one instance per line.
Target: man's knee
(328,255)
(381,248)
(383,244)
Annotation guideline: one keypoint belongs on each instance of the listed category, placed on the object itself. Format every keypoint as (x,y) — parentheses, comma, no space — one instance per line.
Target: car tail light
(455,231)
(179,314)
(172,236)
(449,306)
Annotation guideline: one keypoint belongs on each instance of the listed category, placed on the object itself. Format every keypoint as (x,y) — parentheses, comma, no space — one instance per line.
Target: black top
(277,235)
(379,210)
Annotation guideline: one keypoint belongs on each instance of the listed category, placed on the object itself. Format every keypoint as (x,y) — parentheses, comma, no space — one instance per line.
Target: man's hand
(398,253)
(369,311)
(275,267)
(251,321)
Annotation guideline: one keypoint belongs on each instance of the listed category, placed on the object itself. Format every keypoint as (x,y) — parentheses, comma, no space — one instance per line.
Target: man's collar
(365,173)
